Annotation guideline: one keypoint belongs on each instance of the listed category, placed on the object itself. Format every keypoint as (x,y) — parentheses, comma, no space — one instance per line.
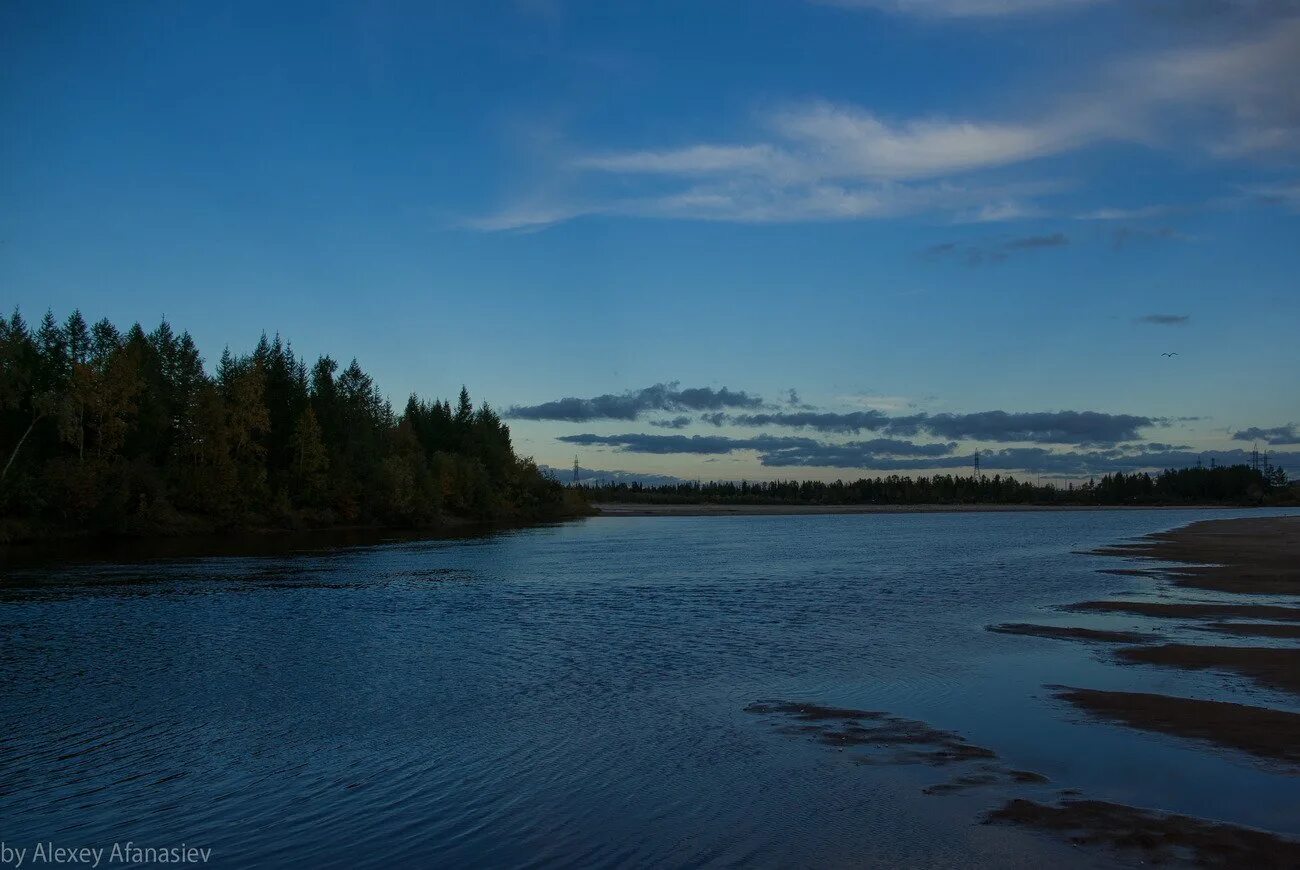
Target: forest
(126,433)
(1236,485)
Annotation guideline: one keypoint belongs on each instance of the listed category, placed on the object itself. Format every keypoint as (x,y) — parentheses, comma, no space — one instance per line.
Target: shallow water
(576,694)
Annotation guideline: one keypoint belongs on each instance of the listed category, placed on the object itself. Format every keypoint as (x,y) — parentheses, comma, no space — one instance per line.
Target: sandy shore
(1243,556)
(1248,555)
(1193,610)
(1262,732)
(1272,667)
(1070,632)
(1160,838)
(631,509)
(1254,554)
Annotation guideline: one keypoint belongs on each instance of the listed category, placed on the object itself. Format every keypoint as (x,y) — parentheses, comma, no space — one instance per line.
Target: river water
(576,694)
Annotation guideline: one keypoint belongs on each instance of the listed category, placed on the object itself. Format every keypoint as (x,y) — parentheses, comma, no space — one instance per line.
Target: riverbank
(640,509)
(1244,557)
(1254,555)
(257,542)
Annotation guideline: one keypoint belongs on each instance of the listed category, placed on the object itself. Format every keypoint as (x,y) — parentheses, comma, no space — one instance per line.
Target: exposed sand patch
(1271,667)
(1177,610)
(1264,733)
(1255,555)
(1254,629)
(1157,837)
(840,728)
(888,739)
(1069,632)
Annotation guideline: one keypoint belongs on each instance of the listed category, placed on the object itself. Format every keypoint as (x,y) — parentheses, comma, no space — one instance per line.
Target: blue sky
(929,209)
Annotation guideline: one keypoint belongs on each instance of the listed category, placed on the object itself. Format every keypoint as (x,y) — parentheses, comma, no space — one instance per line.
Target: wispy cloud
(964,8)
(825,161)
(1123,237)
(822,421)
(629,405)
(1055,240)
(1124,214)
(1283,194)
(640,442)
(887,454)
(725,407)
(1249,82)
(766,445)
(674,423)
(995,251)
(1286,434)
(1044,427)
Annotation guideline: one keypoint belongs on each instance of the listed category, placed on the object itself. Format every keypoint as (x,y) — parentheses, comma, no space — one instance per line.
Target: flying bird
(1172,353)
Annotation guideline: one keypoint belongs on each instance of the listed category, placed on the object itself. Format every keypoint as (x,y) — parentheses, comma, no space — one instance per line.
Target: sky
(720,240)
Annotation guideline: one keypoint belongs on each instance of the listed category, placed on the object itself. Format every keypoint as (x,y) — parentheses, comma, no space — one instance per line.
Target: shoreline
(646,509)
(1239,556)
(243,543)
(1243,555)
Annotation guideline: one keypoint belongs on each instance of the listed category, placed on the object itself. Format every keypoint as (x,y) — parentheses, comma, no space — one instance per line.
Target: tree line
(1236,484)
(104,431)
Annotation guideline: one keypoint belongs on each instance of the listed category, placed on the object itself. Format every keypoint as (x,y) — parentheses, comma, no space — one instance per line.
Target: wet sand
(882,738)
(1246,556)
(1070,632)
(1179,610)
(1274,668)
(636,509)
(1264,733)
(1156,837)
(908,740)
(1252,555)
(1254,629)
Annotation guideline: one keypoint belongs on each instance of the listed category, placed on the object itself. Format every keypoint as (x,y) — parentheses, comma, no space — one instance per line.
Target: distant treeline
(127,433)
(1236,484)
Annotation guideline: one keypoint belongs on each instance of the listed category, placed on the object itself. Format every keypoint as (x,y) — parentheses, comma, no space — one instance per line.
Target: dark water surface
(575,695)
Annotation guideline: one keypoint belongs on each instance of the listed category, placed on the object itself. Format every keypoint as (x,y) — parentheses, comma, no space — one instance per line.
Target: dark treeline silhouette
(127,433)
(1237,484)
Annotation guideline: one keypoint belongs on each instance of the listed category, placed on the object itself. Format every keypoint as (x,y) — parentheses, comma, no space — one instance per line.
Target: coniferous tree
(127,432)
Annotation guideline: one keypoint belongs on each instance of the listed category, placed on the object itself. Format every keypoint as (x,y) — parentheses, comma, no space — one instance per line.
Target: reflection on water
(577,694)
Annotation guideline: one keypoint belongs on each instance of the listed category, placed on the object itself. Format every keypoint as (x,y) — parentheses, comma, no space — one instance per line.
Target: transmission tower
(577,478)
(977,466)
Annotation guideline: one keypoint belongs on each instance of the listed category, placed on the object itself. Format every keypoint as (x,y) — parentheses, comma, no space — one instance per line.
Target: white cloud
(1246,87)
(523,217)
(1124,214)
(821,161)
(854,143)
(997,212)
(964,8)
(1285,194)
(694,160)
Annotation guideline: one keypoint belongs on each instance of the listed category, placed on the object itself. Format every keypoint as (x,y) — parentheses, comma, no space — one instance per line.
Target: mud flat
(1276,668)
(1254,629)
(1070,632)
(882,738)
(1264,733)
(1189,610)
(908,740)
(1156,837)
(1254,555)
